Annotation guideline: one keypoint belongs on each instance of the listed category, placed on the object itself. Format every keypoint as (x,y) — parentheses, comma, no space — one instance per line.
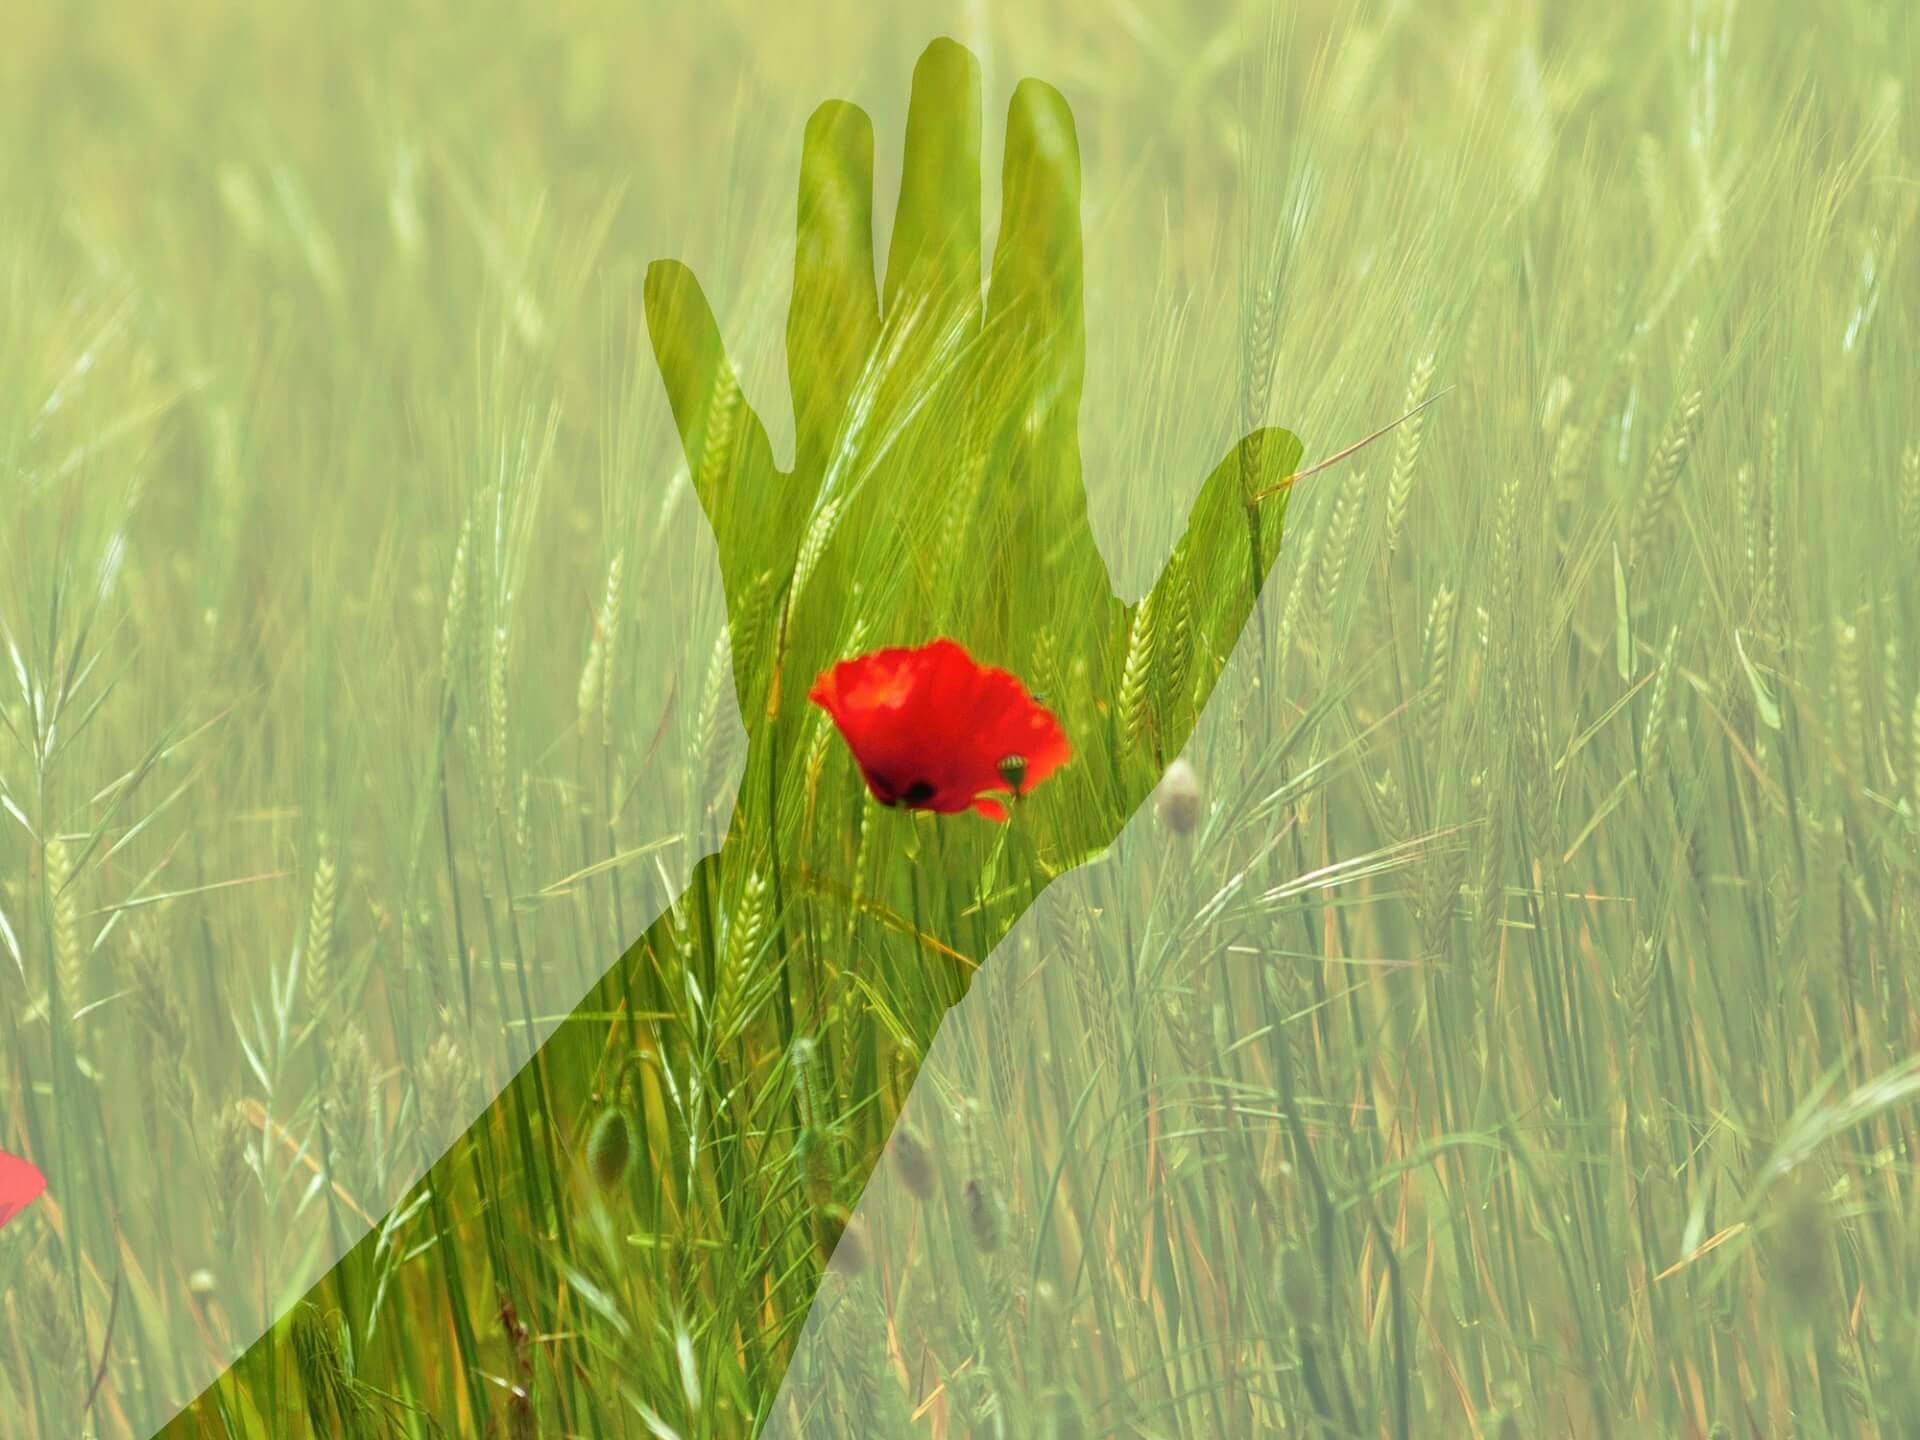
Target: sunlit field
(456,984)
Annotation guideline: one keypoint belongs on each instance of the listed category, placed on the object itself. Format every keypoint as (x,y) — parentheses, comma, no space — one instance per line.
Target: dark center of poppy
(890,794)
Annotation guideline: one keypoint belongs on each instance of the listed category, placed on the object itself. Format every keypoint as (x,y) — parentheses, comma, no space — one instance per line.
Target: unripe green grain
(745,930)
(1438,649)
(716,450)
(608,638)
(351,1100)
(1653,747)
(1133,678)
(231,1141)
(443,1082)
(1909,512)
(713,748)
(1293,613)
(47,1312)
(497,718)
(453,630)
(69,952)
(1669,461)
(587,693)
(1176,655)
(321,907)
(1342,529)
(1407,452)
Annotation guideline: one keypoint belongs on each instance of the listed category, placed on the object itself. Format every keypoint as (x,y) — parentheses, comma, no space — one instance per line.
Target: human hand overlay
(936,475)
(937,483)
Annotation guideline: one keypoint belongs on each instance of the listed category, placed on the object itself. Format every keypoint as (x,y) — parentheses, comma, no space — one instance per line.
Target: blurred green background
(362,703)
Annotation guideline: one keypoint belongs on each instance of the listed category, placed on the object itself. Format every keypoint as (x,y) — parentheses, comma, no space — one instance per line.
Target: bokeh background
(366,698)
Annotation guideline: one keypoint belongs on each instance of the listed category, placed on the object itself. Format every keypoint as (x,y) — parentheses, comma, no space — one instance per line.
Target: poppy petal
(21,1183)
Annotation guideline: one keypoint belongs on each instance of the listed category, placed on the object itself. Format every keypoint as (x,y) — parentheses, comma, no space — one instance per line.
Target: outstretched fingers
(1035,299)
(834,318)
(933,259)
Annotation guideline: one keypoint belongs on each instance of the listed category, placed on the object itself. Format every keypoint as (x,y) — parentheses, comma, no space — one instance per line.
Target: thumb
(728,459)
(724,440)
(1207,589)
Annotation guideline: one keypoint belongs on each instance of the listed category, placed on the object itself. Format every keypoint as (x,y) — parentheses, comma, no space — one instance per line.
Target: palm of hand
(937,473)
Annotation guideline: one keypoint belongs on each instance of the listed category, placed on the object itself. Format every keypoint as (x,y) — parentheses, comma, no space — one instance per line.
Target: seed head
(816,1166)
(443,1084)
(841,1236)
(610,1147)
(232,1140)
(912,1159)
(323,906)
(1134,697)
(68,948)
(1177,801)
(983,1217)
(351,1098)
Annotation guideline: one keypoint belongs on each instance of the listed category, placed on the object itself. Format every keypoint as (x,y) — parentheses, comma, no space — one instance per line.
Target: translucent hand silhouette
(937,464)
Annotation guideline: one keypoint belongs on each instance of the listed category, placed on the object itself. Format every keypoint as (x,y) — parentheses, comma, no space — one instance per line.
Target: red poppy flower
(931,729)
(20,1185)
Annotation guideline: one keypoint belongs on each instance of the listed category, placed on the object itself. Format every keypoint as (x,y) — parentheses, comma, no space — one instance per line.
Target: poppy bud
(1798,1255)
(610,1147)
(841,1236)
(1065,1416)
(1300,1287)
(816,1168)
(1013,770)
(911,1159)
(983,1217)
(1177,800)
